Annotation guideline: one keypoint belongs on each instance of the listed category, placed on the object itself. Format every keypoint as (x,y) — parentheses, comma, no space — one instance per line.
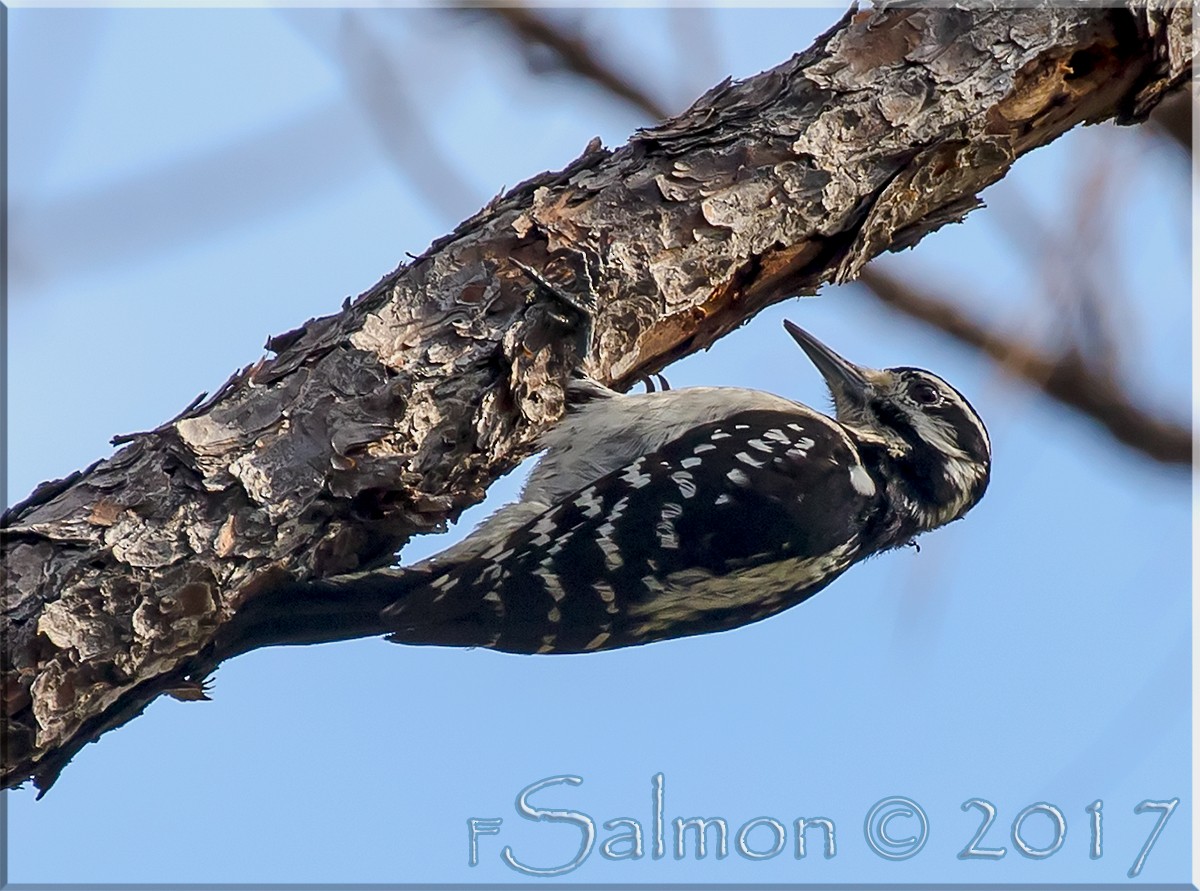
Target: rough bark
(1085,383)
(378,423)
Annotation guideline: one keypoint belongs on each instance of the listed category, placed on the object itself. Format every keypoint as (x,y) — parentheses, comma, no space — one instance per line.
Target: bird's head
(934,436)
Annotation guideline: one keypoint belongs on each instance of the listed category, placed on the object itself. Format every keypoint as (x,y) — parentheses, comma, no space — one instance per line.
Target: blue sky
(185,183)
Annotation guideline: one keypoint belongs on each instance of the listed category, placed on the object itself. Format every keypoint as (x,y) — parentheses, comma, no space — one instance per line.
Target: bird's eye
(924,394)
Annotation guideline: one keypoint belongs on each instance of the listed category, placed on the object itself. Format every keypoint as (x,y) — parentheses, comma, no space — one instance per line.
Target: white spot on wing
(738,477)
(634,476)
(861,480)
(497,603)
(690,462)
(605,592)
(745,458)
(597,640)
(667,539)
(553,586)
(543,531)
(591,503)
(612,554)
(683,480)
(617,510)
(801,447)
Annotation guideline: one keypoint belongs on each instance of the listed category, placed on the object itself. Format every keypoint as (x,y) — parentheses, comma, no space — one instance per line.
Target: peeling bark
(381,422)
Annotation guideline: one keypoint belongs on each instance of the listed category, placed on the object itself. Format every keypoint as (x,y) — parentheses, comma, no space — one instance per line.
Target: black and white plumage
(683,512)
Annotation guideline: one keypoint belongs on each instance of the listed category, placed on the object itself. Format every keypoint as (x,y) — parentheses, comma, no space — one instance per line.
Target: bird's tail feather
(337,608)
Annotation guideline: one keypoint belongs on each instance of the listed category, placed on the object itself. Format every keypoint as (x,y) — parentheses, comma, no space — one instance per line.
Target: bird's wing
(604,434)
(729,522)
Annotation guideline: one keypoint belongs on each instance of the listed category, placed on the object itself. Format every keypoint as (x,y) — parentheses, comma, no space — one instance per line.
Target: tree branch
(1072,378)
(378,423)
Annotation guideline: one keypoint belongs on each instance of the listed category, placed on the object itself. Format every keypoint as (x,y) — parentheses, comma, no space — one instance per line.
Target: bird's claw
(647,381)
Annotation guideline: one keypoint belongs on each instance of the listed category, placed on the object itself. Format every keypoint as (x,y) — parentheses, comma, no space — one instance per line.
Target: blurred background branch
(1067,376)
(549,47)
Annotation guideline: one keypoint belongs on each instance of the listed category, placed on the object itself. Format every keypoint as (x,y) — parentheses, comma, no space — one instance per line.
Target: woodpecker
(688,511)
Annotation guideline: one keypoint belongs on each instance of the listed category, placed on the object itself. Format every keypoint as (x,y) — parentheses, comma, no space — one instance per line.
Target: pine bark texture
(367,427)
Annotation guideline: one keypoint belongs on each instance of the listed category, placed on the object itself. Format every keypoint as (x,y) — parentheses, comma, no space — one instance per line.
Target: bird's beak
(850,384)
